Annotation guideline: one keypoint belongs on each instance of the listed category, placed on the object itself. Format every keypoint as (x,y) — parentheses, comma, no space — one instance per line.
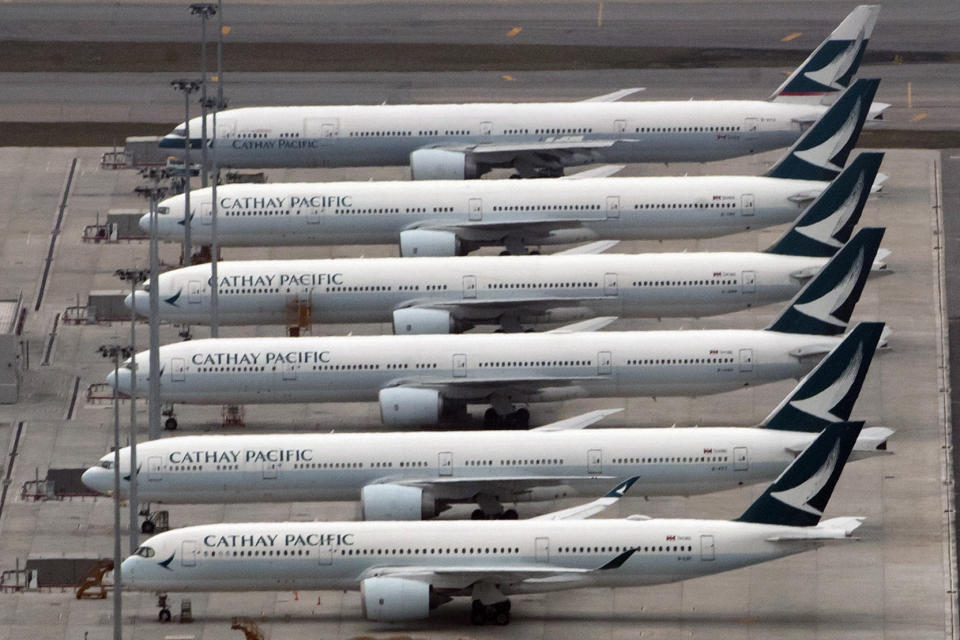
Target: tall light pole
(188,87)
(116,352)
(221,104)
(205,11)
(153,192)
(214,245)
(135,277)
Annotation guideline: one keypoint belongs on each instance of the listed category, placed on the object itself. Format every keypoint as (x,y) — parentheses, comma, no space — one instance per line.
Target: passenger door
(595,461)
(749,282)
(741,461)
(153,468)
(445,463)
(178,370)
(707,548)
(746,205)
(469,287)
(459,365)
(542,549)
(475,209)
(189,552)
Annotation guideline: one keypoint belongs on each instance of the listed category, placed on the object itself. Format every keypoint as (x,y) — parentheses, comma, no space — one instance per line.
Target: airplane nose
(121,382)
(145,223)
(139,300)
(96,478)
(128,571)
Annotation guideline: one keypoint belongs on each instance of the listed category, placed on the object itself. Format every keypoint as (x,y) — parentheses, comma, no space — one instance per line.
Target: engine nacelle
(440,164)
(411,321)
(409,406)
(392,599)
(425,243)
(396,502)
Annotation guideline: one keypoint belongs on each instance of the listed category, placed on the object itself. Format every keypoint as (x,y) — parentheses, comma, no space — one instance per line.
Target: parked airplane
(404,569)
(409,476)
(446,219)
(450,295)
(457,141)
(418,378)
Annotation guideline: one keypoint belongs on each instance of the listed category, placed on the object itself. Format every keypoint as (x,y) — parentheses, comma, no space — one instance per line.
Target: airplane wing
(561,144)
(492,308)
(459,577)
(603,171)
(579,422)
(593,324)
(506,488)
(590,248)
(616,95)
(481,389)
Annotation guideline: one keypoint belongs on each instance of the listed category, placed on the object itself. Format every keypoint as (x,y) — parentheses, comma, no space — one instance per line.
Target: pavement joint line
(945,412)
(11,456)
(73,399)
(56,232)
(51,337)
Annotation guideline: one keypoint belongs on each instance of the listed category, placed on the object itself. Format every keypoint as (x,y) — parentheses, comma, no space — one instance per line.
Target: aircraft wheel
(170,424)
(478,514)
(478,614)
(490,419)
(521,418)
(147,526)
(164,615)
(501,618)
(510,514)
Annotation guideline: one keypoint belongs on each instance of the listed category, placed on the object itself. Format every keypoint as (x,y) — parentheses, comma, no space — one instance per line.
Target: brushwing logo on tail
(800,495)
(826,305)
(822,155)
(822,404)
(824,230)
(838,67)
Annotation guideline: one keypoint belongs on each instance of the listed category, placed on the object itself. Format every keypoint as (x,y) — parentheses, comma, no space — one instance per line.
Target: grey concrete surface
(893,583)
(920,25)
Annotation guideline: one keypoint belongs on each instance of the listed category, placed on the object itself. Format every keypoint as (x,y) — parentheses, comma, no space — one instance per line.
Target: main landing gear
(490,606)
(517,419)
(491,509)
(170,424)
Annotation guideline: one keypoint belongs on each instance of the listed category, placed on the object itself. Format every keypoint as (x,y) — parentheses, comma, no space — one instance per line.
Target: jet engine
(425,243)
(410,406)
(410,321)
(392,599)
(396,502)
(440,164)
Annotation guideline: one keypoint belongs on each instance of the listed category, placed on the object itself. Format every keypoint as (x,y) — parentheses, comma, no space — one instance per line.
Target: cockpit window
(146,552)
(180,131)
(106,464)
(163,211)
(126,364)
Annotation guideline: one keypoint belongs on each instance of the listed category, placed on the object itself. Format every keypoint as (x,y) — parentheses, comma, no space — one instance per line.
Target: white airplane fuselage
(339,555)
(487,212)
(474,367)
(452,466)
(482,289)
(386,135)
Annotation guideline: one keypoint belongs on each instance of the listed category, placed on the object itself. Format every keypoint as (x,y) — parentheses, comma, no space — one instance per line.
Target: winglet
(828,222)
(584,511)
(617,562)
(798,497)
(825,304)
(833,64)
(827,394)
(822,150)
